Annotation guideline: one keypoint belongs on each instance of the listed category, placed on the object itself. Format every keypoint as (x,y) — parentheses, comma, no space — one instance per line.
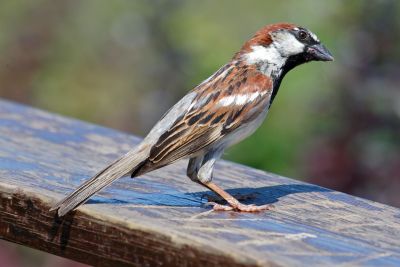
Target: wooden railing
(161,219)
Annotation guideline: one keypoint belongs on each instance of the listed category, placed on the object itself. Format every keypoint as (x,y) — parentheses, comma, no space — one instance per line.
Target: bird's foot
(240,207)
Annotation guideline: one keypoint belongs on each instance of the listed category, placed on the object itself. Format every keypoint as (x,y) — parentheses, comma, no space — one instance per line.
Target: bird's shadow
(271,194)
(257,196)
(61,227)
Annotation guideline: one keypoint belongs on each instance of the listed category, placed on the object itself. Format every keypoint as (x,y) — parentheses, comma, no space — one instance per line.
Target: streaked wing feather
(200,139)
(211,116)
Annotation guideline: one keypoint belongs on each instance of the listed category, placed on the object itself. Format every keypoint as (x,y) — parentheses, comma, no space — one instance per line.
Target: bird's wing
(230,98)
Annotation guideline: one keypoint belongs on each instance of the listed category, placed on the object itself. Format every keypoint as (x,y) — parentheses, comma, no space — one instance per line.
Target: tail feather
(119,168)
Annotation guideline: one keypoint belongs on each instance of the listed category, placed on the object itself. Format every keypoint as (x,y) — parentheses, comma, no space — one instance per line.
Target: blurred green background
(123,63)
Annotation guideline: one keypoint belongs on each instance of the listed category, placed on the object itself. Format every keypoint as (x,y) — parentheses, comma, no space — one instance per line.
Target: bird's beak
(319,53)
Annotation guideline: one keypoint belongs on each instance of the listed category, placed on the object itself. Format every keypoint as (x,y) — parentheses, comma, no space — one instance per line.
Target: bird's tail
(119,168)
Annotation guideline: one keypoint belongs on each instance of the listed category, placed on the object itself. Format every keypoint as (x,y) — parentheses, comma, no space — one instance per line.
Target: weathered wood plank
(160,219)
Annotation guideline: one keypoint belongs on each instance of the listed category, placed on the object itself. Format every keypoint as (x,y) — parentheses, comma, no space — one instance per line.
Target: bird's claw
(240,207)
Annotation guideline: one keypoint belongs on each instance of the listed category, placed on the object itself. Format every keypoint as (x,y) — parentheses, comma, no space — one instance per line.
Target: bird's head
(277,48)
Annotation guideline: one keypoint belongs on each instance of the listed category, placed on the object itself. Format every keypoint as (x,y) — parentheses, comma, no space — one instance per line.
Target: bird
(218,113)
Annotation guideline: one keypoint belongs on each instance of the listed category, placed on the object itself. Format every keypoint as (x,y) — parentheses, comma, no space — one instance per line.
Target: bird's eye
(302,35)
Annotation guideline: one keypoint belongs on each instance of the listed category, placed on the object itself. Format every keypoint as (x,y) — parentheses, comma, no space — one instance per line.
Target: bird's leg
(193,168)
(200,170)
(234,204)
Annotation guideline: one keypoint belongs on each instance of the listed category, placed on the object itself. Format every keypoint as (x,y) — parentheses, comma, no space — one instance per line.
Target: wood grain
(161,219)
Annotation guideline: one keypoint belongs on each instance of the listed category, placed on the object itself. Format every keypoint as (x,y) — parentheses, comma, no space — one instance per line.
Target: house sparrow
(219,112)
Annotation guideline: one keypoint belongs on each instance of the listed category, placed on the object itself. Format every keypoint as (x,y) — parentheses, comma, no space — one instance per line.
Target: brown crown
(263,37)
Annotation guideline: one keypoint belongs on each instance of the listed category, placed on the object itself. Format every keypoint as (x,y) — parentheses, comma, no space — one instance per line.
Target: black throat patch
(291,62)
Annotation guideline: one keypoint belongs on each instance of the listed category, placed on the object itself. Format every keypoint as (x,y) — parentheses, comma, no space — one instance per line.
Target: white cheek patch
(269,58)
(287,44)
(261,53)
(239,100)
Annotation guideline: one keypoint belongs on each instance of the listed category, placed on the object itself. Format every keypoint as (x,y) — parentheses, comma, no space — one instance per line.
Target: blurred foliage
(124,63)
(13,255)
(360,154)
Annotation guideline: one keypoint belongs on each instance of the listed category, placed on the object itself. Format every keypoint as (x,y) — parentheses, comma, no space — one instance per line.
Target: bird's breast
(246,129)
